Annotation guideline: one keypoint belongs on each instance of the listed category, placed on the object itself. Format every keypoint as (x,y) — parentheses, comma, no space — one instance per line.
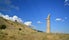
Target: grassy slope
(12,32)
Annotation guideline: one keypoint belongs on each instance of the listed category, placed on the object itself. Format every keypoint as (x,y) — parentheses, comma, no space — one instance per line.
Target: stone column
(48,24)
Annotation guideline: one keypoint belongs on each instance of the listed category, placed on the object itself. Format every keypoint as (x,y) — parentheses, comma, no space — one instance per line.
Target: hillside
(10,30)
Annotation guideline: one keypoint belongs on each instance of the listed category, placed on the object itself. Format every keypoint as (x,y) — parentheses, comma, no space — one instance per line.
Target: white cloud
(13,18)
(66,2)
(39,22)
(16,18)
(60,19)
(28,23)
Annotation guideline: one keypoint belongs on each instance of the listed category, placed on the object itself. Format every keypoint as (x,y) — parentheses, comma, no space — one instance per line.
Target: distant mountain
(10,30)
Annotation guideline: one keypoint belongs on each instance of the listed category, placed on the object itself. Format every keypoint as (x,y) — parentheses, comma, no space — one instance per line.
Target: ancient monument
(48,24)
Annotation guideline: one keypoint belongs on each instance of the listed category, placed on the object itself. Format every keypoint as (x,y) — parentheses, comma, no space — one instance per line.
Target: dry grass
(17,31)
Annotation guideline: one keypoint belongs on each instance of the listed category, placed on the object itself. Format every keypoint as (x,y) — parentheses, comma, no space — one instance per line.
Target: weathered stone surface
(48,24)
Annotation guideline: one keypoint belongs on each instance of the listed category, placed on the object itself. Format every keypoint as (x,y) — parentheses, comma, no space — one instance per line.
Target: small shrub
(20,29)
(15,20)
(3,27)
(39,31)
(6,33)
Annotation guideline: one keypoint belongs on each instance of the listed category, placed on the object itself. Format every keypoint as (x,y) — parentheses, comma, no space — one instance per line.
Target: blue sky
(37,10)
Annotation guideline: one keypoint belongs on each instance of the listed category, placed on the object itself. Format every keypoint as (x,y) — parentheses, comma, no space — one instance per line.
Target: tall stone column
(48,24)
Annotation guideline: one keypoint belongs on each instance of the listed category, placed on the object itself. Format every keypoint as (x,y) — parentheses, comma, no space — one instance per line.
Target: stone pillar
(48,24)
